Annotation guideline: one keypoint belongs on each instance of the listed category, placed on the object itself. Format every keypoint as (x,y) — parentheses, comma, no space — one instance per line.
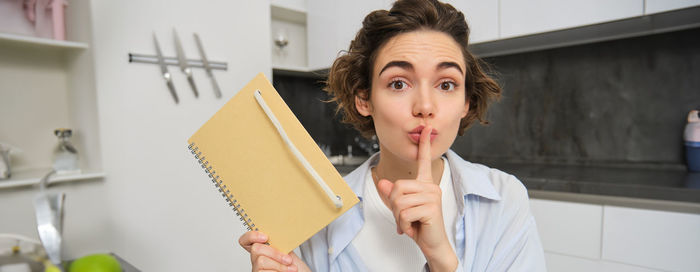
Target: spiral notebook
(268,168)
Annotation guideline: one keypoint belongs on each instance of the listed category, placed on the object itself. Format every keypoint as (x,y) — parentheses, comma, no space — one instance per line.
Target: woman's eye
(397,85)
(447,86)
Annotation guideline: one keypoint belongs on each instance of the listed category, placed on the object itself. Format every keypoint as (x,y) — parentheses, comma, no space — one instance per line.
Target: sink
(344,160)
(345,164)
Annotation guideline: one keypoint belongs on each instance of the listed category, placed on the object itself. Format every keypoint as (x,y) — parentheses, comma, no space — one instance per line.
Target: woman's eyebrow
(397,63)
(449,64)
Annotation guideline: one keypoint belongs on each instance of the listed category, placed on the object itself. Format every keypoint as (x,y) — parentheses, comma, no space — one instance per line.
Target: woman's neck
(393,168)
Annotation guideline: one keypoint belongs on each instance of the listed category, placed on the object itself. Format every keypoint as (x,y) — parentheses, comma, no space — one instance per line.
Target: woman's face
(417,80)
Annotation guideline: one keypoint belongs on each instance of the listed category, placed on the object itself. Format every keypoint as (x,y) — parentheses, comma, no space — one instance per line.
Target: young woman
(409,79)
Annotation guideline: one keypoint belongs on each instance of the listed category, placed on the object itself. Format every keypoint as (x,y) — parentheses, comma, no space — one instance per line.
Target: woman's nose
(424,105)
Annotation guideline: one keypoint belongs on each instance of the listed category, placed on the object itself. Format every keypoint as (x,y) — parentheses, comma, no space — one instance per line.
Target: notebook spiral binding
(225,192)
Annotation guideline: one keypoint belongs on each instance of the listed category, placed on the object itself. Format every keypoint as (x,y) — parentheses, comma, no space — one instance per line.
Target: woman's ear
(466,109)
(364,107)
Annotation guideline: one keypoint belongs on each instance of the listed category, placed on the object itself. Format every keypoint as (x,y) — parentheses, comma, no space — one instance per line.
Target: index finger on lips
(425,172)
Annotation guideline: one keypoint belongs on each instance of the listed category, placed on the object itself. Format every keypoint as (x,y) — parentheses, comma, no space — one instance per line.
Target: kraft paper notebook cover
(258,173)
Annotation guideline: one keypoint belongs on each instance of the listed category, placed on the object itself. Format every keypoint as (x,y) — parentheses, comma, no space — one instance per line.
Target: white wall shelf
(288,13)
(30,178)
(51,43)
(290,69)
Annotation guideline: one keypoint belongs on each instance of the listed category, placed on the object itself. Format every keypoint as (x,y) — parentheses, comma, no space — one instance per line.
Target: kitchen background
(589,86)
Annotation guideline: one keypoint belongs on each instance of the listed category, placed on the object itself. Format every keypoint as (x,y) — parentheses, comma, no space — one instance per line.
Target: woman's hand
(265,258)
(417,208)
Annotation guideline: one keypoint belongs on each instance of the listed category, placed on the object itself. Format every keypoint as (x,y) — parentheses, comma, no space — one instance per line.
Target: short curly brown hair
(351,73)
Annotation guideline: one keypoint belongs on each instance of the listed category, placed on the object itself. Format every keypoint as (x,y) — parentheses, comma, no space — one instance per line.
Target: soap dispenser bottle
(692,141)
(65,155)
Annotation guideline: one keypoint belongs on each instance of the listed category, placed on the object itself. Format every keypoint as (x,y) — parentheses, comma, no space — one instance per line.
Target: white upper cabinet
(482,17)
(520,18)
(332,24)
(656,6)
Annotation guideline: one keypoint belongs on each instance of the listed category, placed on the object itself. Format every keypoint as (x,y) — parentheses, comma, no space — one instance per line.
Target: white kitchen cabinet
(662,240)
(331,25)
(482,17)
(656,6)
(520,18)
(607,237)
(506,26)
(568,228)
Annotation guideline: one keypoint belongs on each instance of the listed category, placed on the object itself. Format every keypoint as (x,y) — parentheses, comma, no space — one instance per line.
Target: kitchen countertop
(660,183)
(660,187)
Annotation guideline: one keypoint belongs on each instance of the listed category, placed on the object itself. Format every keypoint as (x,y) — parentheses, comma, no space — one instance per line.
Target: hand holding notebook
(269,169)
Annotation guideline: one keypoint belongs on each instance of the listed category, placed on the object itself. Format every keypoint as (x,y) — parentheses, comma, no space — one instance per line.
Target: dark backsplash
(622,101)
(305,98)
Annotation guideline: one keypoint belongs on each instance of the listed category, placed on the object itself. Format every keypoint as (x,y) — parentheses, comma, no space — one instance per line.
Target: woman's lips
(414,134)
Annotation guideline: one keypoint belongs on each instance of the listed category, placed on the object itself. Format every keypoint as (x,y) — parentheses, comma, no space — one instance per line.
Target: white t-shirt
(381,247)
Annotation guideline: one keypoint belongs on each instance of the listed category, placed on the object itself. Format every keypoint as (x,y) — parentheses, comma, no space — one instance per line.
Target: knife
(207,66)
(183,63)
(164,69)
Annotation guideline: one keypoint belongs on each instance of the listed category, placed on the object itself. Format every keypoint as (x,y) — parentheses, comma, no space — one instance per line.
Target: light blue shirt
(495,229)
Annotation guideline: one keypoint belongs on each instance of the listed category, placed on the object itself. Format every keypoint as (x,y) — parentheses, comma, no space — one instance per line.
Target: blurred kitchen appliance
(21,254)
(691,136)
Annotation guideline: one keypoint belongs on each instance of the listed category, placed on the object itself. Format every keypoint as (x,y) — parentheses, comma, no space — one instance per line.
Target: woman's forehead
(420,48)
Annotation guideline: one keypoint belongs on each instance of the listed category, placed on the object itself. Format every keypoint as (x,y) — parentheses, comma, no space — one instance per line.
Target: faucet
(5,171)
(49,218)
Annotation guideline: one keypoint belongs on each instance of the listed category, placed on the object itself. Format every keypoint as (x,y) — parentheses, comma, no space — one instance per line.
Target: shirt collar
(356,178)
(474,181)
(467,178)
